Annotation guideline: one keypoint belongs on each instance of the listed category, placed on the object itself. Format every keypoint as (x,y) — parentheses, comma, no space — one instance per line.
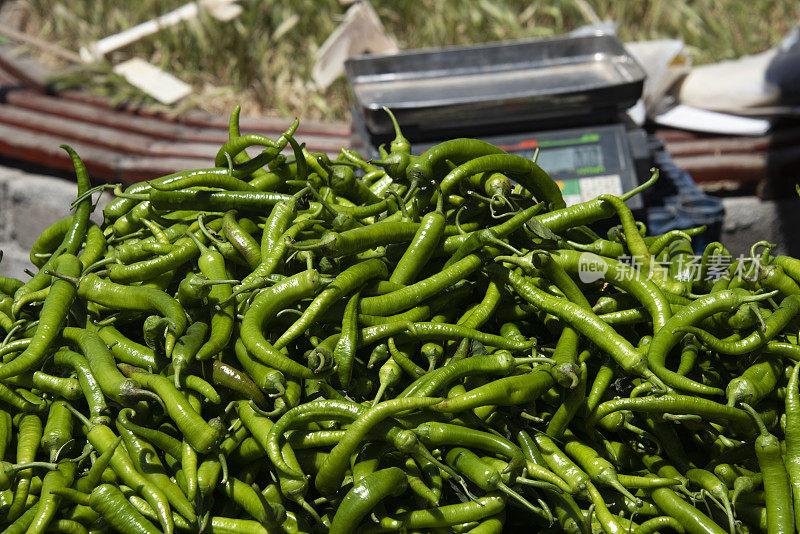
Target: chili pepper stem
(654,175)
(71,279)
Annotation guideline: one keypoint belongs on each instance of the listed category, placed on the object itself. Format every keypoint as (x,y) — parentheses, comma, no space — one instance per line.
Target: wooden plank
(775,164)
(43,149)
(204,151)
(672,135)
(201,121)
(85,97)
(729,187)
(739,167)
(718,145)
(154,127)
(70,131)
(98,115)
(102,163)
(7,80)
(136,169)
(29,72)
(265,125)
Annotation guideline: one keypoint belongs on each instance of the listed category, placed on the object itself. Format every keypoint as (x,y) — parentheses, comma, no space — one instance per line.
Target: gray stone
(29,203)
(36,203)
(750,219)
(15,260)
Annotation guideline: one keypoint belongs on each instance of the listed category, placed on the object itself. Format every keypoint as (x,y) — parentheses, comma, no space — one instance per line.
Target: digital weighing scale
(565,96)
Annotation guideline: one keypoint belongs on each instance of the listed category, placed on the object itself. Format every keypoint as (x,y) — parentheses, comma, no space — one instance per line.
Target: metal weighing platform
(565,97)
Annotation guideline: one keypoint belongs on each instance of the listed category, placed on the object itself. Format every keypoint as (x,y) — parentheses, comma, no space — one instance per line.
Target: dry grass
(263,59)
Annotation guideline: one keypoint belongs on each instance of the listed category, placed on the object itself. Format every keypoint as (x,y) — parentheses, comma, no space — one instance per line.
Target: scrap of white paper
(360,31)
(161,85)
(701,120)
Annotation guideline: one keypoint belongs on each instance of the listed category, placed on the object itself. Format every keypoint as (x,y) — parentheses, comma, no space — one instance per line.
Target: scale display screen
(584,162)
(580,159)
(581,156)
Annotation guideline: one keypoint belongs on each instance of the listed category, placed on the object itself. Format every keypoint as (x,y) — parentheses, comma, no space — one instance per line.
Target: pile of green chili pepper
(419,343)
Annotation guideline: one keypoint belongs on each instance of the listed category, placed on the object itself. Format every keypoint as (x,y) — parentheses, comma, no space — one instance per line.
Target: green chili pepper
(364,495)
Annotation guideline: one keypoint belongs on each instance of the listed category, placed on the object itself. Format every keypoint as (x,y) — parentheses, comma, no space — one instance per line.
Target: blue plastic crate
(678,204)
